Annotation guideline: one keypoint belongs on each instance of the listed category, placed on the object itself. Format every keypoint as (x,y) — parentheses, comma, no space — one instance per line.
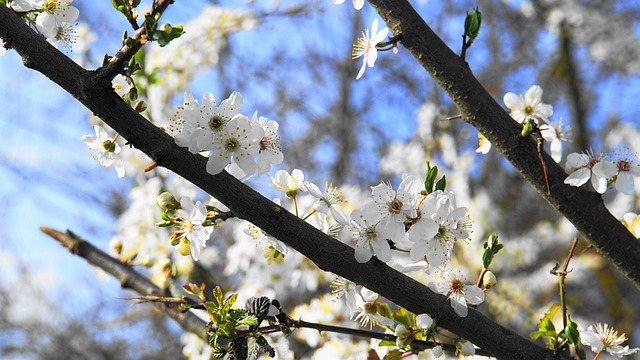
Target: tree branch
(128,277)
(584,208)
(327,253)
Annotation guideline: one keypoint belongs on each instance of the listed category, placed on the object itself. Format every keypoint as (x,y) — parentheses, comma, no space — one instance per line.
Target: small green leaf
(394,354)
(487,257)
(387,343)
(572,333)
(402,316)
(441,184)
(472,23)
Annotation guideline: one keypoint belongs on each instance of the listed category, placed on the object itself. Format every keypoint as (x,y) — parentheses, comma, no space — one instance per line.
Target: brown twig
(128,277)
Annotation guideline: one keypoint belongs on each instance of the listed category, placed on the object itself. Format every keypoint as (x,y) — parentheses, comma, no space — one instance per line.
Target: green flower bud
(472,23)
(166,201)
(166,29)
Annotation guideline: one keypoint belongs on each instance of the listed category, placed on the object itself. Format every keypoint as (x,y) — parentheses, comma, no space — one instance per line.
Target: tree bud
(166,201)
(489,280)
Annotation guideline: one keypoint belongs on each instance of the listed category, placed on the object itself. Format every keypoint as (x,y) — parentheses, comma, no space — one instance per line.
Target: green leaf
(249,320)
(545,325)
(402,316)
(384,310)
(217,294)
(219,352)
(487,257)
(441,184)
(431,178)
(394,354)
(387,343)
(572,333)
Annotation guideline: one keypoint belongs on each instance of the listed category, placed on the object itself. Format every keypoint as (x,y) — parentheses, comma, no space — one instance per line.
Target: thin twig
(128,277)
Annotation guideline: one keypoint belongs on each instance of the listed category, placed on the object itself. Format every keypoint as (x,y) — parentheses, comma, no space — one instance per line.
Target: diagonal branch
(128,277)
(327,253)
(585,209)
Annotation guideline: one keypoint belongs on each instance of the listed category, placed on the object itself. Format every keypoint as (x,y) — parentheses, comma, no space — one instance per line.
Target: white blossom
(583,167)
(529,106)
(366,46)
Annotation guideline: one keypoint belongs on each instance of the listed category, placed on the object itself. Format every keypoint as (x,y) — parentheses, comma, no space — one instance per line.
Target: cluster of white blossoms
(224,134)
(582,167)
(52,18)
(620,172)
(528,107)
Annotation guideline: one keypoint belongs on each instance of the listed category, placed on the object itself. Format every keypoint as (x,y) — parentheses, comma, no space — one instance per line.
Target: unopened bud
(166,29)
(116,245)
(166,201)
(185,247)
(489,280)
(140,106)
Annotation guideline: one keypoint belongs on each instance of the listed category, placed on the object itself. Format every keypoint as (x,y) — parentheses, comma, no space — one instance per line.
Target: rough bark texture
(329,254)
(584,208)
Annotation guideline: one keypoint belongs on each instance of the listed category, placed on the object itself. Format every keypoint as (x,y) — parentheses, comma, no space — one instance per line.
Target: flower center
(109,146)
(370,232)
(528,110)
(395,206)
(216,123)
(456,286)
(232,144)
(51,6)
(624,165)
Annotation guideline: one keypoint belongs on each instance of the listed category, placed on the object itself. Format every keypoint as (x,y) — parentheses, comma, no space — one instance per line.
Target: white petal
(556,150)
(533,95)
(424,321)
(512,101)
(624,183)
(216,163)
(362,252)
(578,177)
(361,72)
(473,294)
(459,304)
(382,250)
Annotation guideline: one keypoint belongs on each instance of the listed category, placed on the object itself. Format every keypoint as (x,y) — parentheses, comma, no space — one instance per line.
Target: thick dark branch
(328,253)
(128,277)
(584,208)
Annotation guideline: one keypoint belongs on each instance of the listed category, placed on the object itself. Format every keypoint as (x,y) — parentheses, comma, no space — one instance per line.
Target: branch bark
(128,277)
(328,253)
(584,208)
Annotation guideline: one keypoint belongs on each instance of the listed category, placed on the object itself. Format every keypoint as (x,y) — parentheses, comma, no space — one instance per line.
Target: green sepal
(164,223)
(581,353)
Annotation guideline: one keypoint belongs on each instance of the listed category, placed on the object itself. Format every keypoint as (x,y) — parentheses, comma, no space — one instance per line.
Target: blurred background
(291,61)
